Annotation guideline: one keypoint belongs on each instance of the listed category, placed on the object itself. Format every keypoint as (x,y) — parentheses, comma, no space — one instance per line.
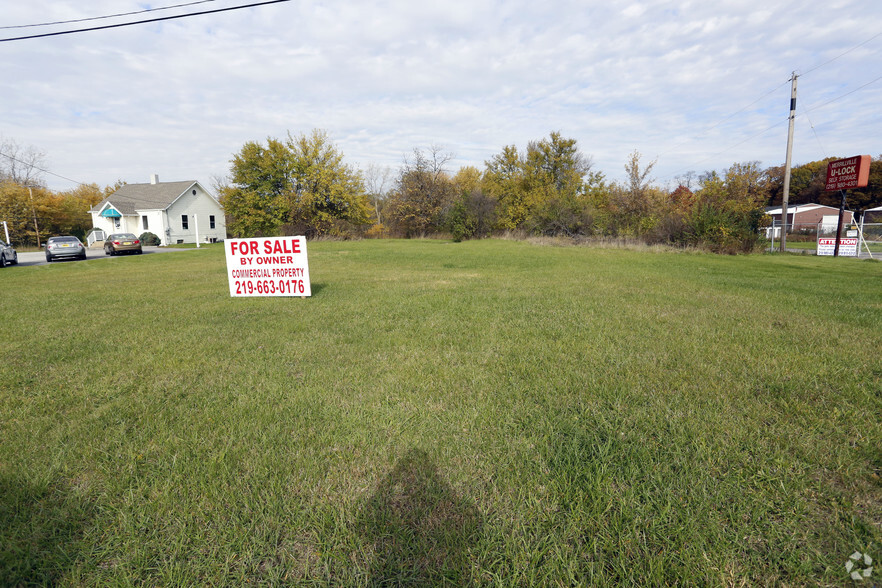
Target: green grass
(483,413)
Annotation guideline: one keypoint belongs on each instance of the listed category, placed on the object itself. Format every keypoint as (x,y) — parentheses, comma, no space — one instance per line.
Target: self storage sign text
(849,173)
(273,266)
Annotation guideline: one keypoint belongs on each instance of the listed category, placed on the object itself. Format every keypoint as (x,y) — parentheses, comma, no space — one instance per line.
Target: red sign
(845,174)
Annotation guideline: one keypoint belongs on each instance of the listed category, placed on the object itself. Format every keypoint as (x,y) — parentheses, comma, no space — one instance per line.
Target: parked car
(58,247)
(7,254)
(122,242)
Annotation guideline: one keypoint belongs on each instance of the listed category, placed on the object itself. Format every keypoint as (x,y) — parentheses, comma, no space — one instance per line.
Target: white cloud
(179,98)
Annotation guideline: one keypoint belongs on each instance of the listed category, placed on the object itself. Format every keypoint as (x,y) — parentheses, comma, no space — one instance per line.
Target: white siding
(105,224)
(155,223)
(200,205)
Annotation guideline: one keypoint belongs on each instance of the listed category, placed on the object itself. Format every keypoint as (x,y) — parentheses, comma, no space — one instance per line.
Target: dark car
(60,247)
(122,242)
(7,254)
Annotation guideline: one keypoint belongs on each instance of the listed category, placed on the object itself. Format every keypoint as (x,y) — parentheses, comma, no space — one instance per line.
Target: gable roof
(133,197)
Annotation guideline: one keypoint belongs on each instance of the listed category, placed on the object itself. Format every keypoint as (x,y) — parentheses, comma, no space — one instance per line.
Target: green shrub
(723,231)
(150,239)
(471,216)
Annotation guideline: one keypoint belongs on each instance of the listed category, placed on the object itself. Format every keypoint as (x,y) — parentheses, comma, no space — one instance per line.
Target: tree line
(33,212)
(301,185)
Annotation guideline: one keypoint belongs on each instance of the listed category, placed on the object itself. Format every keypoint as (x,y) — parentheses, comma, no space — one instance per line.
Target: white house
(176,212)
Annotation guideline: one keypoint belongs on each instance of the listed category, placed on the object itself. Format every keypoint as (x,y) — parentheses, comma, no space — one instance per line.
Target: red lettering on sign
(243,247)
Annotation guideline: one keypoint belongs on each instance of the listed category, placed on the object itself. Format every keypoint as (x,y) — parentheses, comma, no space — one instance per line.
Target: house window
(144,222)
(116,222)
(211,221)
(185,224)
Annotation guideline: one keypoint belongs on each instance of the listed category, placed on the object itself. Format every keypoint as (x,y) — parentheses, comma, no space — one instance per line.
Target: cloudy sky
(696,85)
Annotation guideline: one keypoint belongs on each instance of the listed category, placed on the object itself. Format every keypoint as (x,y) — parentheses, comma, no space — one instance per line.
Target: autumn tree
(555,176)
(636,206)
(473,212)
(728,209)
(870,196)
(377,181)
(328,196)
(254,200)
(299,185)
(18,213)
(505,182)
(546,189)
(421,193)
(67,212)
(555,168)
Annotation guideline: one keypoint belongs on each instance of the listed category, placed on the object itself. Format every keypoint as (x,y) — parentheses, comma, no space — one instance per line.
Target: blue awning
(110,213)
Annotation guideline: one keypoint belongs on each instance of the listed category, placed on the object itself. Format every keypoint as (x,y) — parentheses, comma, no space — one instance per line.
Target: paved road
(39,258)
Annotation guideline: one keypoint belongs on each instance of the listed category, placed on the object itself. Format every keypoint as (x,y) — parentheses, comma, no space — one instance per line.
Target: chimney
(154,178)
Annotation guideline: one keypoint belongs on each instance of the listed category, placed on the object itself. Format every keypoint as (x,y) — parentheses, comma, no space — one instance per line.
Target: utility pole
(787,163)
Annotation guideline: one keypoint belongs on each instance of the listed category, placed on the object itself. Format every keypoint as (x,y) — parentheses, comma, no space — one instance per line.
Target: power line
(707,130)
(843,95)
(819,66)
(729,148)
(805,111)
(145,21)
(828,62)
(45,171)
(61,22)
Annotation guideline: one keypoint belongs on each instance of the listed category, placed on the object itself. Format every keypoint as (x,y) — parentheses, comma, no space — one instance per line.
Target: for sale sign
(847,247)
(849,173)
(273,266)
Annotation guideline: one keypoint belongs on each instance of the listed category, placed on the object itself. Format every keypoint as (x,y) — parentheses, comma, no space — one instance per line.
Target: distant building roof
(796,208)
(133,197)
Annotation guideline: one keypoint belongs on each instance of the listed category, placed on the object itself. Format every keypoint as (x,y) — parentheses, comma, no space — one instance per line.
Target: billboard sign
(271,266)
(849,173)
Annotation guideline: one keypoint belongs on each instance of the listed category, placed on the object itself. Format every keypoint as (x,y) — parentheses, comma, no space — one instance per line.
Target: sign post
(846,174)
(271,266)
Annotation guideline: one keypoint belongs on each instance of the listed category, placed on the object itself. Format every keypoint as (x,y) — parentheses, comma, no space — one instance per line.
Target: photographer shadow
(420,530)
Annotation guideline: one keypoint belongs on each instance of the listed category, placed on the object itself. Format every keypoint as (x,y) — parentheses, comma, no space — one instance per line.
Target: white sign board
(271,266)
(847,247)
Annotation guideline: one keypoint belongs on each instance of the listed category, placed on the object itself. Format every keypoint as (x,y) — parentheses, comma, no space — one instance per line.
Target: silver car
(7,254)
(58,247)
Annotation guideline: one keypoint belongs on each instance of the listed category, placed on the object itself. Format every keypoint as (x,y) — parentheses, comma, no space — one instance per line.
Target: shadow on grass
(420,529)
(39,530)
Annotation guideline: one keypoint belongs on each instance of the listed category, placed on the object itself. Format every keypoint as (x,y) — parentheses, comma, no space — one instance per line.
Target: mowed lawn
(480,413)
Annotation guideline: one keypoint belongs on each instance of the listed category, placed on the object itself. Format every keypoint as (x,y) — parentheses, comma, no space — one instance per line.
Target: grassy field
(482,413)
